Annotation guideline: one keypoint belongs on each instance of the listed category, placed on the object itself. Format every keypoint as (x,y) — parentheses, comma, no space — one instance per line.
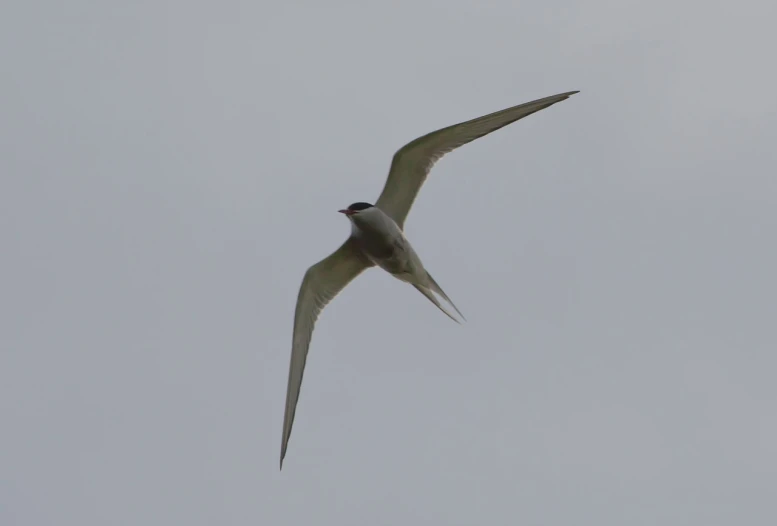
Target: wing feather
(322,282)
(413,162)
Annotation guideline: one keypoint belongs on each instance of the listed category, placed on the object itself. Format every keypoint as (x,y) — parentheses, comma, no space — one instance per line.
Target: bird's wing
(322,282)
(413,162)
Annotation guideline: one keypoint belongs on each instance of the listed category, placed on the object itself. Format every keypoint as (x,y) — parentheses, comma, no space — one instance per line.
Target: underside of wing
(412,163)
(322,282)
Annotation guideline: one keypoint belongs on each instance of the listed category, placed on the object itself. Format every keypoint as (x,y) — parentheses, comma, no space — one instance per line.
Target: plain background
(169,169)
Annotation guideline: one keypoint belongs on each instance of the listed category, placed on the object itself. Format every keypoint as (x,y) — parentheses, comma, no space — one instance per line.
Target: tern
(377,237)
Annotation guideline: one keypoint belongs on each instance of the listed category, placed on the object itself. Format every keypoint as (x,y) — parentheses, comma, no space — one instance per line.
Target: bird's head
(356,209)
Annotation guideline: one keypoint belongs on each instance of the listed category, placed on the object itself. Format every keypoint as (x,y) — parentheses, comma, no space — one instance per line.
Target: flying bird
(377,237)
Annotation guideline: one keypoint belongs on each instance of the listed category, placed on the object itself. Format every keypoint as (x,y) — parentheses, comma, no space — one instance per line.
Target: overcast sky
(169,170)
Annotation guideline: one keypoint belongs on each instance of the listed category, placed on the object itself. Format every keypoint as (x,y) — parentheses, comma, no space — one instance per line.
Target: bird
(377,237)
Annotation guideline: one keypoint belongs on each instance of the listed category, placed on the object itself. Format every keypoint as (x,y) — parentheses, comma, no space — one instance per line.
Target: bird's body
(385,245)
(377,236)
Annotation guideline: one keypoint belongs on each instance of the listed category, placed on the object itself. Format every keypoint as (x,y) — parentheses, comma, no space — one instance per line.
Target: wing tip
(568,94)
(284,446)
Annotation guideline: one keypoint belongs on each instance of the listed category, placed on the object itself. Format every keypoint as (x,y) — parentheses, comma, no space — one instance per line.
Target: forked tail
(428,293)
(436,288)
(427,290)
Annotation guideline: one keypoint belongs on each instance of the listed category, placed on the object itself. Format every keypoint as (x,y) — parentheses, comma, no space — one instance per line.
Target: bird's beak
(347,212)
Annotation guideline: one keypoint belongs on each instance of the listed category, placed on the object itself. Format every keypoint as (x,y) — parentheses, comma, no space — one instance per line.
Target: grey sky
(168,170)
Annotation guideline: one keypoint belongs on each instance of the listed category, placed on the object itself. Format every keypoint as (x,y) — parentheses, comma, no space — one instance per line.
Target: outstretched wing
(322,282)
(413,162)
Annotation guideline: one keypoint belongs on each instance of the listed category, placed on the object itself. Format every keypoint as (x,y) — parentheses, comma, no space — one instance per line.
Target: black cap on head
(359,206)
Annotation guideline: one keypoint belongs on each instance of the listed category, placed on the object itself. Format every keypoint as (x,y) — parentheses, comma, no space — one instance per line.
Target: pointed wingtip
(566,95)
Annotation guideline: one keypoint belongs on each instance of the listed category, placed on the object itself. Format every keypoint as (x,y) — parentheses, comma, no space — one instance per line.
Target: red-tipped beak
(347,212)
